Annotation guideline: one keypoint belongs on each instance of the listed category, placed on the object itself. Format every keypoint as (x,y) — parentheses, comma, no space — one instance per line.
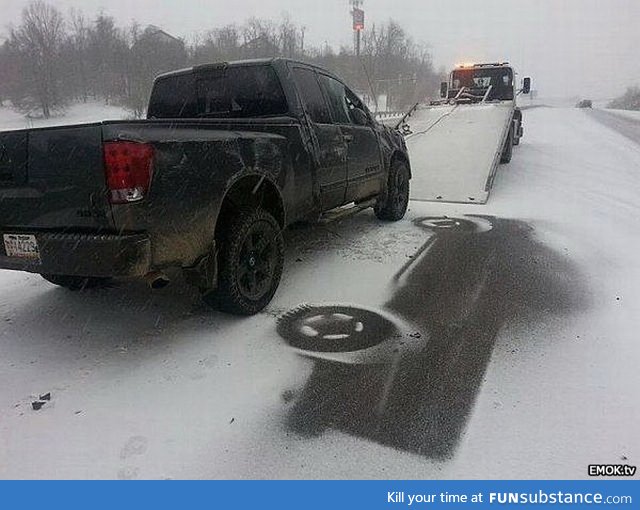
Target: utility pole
(357,15)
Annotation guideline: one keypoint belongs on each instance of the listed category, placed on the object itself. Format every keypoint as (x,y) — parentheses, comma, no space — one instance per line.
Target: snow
(80,113)
(629,114)
(154,385)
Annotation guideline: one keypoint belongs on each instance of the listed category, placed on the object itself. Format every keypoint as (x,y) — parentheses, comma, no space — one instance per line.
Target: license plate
(21,246)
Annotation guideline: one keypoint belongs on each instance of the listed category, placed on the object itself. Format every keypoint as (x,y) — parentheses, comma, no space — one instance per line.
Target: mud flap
(204,274)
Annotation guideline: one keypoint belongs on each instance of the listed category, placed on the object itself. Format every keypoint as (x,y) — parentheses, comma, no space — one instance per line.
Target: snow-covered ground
(630,114)
(77,113)
(511,344)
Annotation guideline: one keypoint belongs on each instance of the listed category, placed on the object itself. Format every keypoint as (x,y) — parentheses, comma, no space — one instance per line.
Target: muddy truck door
(330,143)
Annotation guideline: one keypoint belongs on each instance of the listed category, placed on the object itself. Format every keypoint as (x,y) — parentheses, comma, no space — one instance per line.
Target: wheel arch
(402,157)
(252,190)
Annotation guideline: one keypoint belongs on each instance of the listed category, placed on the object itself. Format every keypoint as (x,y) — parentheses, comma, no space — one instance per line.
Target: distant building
(158,35)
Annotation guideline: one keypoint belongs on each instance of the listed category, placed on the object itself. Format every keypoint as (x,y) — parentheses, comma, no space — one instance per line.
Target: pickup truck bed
(57,192)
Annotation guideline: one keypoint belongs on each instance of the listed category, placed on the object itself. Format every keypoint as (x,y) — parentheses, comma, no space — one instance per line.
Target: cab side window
(353,102)
(311,95)
(337,97)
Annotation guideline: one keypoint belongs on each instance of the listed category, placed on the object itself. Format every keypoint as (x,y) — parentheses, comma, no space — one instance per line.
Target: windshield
(482,78)
(499,79)
(234,92)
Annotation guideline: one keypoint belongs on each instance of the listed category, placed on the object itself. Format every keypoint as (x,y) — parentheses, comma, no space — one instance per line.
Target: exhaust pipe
(157,280)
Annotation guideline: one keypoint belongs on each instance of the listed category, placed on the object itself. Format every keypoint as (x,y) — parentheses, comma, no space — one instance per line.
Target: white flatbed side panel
(455,150)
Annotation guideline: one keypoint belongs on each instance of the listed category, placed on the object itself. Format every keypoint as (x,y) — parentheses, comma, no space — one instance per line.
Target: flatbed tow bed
(462,139)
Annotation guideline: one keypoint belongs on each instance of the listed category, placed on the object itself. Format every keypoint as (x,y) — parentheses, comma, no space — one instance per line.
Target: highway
(466,341)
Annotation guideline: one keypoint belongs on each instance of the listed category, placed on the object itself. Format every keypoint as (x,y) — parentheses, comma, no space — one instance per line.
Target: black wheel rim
(257,262)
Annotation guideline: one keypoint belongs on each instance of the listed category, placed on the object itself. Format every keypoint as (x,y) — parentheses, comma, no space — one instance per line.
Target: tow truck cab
(480,83)
(483,82)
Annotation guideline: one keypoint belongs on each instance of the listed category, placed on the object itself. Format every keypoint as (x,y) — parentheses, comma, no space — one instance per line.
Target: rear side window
(212,94)
(173,97)
(354,102)
(311,95)
(336,94)
(243,91)
(234,92)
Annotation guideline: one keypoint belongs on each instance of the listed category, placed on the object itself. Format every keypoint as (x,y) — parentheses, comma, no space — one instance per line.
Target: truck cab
(482,83)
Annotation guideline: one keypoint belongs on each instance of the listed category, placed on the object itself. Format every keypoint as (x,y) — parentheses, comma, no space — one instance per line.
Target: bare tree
(630,100)
(397,67)
(218,44)
(10,75)
(38,39)
(289,41)
(260,39)
(79,46)
(41,62)
(108,52)
(154,52)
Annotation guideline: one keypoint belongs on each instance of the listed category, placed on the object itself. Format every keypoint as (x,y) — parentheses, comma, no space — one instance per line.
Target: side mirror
(359,117)
(526,85)
(444,89)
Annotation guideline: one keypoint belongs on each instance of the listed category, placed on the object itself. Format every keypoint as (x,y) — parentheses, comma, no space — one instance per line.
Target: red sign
(358,20)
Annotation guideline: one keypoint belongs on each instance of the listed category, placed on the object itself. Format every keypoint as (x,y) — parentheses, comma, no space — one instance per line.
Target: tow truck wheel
(507,151)
(517,133)
(251,260)
(393,206)
(75,283)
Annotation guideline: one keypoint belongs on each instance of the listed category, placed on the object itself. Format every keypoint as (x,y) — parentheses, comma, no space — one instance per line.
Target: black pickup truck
(230,154)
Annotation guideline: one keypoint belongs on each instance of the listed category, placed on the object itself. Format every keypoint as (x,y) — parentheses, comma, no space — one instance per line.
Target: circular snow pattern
(334,328)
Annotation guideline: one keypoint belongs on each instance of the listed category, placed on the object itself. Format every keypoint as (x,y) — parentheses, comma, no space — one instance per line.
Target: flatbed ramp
(455,151)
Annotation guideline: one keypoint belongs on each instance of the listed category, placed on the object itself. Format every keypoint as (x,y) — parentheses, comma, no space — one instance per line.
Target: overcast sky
(569,47)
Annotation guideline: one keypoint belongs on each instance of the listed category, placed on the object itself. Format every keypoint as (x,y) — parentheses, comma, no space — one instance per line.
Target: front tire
(75,283)
(251,260)
(393,206)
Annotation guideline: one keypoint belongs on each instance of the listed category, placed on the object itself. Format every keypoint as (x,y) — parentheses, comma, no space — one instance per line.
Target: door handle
(348,138)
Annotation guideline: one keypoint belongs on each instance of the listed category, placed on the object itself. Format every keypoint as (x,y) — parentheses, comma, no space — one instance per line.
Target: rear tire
(251,260)
(393,205)
(75,283)
(507,151)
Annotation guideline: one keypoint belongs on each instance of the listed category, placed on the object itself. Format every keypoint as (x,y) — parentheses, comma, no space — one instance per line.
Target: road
(629,127)
(498,342)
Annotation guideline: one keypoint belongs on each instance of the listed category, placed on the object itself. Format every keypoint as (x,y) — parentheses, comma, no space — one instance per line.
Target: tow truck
(457,142)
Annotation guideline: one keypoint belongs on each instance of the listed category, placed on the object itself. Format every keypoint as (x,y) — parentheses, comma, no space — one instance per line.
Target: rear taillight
(128,167)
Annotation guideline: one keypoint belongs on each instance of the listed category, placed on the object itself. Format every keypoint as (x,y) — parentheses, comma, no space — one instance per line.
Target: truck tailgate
(53,178)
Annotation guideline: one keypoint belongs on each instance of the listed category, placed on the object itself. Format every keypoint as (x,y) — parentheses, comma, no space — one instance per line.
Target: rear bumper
(99,255)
